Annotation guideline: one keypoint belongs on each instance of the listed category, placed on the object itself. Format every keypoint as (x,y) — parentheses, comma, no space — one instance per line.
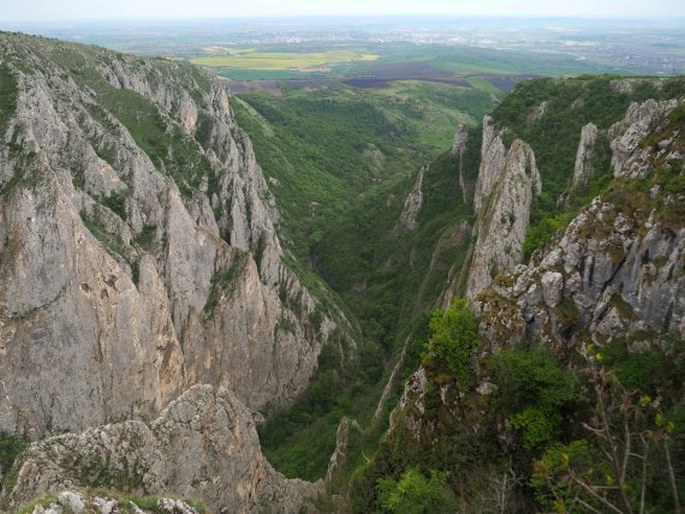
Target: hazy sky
(34,10)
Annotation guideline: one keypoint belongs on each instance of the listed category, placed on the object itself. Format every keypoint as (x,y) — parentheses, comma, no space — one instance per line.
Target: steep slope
(618,268)
(566,128)
(566,384)
(204,444)
(343,164)
(503,221)
(138,251)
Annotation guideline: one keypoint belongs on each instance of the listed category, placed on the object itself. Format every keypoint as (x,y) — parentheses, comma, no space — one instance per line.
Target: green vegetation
(372,258)
(603,434)
(626,460)
(542,232)
(489,429)
(225,281)
(11,446)
(170,150)
(116,202)
(554,137)
(146,238)
(341,162)
(44,501)
(342,199)
(300,440)
(415,493)
(454,337)
(535,391)
(112,242)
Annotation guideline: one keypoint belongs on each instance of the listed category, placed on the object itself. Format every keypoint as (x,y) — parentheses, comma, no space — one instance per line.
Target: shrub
(454,336)
(414,493)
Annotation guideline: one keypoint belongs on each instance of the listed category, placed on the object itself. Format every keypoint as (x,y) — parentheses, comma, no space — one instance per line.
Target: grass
(273,61)
(111,242)
(433,110)
(224,282)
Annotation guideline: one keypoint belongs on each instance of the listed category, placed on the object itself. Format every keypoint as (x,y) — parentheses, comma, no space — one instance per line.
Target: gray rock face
(629,158)
(492,159)
(502,225)
(536,114)
(461,136)
(614,272)
(346,429)
(584,167)
(204,445)
(413,203)
(138,249)
(610,274)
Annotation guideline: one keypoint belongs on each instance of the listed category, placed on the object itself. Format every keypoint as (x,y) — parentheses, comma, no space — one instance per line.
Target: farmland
(273,61)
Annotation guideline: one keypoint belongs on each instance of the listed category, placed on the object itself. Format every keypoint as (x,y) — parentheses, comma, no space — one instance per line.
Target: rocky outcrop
(536,114)
(585,156)
(204,445)
(493,155)
(73,502)
(610,275)
(138,248)
(629,157)
(503,222)
(412,400)
(627,86)
(344,438)
(461,137)
(617,270)
(413,203)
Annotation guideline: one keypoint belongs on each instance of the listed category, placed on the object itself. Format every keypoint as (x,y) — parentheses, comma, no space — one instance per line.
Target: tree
(415,493)
(534,391)
(626,455)
(453,339)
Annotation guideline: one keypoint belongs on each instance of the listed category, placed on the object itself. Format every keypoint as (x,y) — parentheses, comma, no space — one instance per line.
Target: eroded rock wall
(503,222)
(138,248)
(203,445)
(617,270)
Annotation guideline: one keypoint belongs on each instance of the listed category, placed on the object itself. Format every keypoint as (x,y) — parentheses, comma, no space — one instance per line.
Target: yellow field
(274,61)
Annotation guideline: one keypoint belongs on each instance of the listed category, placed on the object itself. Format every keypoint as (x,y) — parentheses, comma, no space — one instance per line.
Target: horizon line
(331,16)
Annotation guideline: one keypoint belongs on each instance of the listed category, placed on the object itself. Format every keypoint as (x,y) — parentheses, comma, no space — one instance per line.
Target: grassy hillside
(327,150)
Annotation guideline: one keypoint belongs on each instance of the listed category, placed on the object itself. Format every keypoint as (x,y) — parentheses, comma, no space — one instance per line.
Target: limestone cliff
(492,160)
(138,250)
(413,203)
(203,445)
(461,137)
(584,166)
(629,159)
(75,502)
(617,270)
(501,227)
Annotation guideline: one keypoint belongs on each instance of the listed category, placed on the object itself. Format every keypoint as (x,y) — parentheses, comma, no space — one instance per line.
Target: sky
(52,10)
